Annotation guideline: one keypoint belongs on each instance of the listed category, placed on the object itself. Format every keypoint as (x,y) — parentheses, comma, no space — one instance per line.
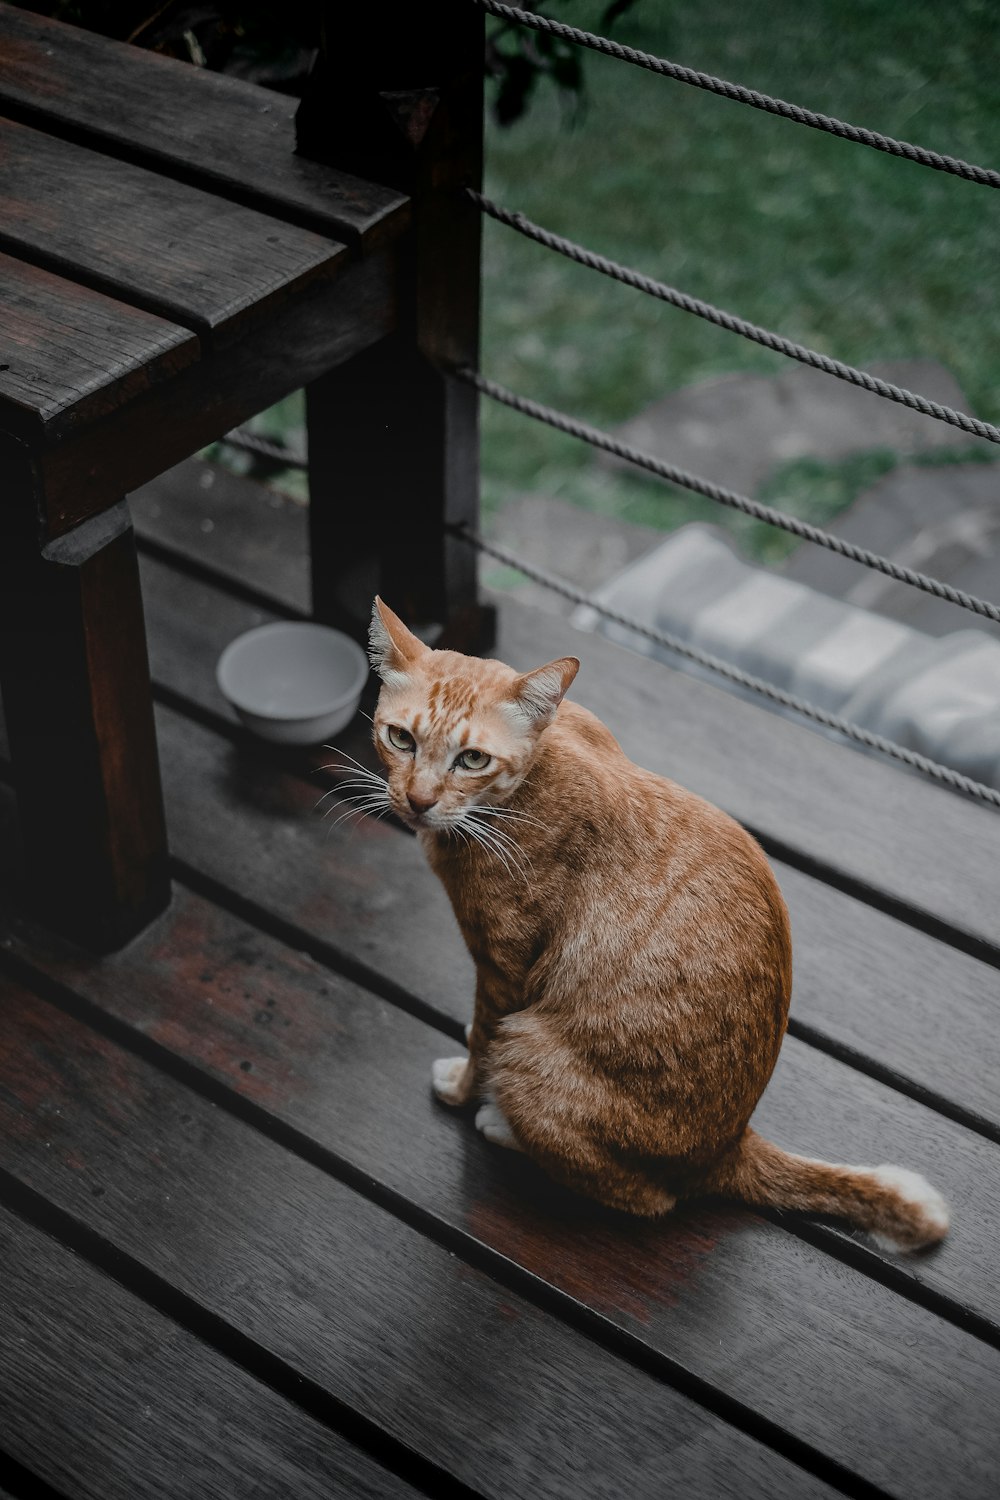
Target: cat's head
(455,733)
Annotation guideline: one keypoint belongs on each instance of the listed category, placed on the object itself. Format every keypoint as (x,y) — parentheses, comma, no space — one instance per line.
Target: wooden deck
(246,1254)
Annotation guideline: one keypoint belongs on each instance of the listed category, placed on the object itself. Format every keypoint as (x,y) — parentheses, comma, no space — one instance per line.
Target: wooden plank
(771,1321)
(72,356)
(103,1397)
(325,322)
(233,136)
(364,1306)
(915,1007)
(180,253)
(869,823)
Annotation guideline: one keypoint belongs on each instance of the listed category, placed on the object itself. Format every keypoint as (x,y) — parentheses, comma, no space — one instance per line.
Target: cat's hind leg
(557,1109)
(495,1126)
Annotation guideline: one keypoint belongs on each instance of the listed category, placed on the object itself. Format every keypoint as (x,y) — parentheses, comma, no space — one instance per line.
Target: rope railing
(946,775)
(730,498)
(733,324)
(261,447)
(985,176)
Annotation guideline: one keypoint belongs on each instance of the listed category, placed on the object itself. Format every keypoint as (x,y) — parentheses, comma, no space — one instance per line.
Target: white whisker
(507,850)
(358,797)
(512,847)
(478,836)
(379,808)
(344,786)
(512,813)
(335,766)
(355,773)
(370,782)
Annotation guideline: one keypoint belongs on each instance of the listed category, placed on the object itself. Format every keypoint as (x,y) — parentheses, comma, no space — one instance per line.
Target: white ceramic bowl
(294,684)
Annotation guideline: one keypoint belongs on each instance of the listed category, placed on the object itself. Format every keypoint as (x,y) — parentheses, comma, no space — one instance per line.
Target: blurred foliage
(518,59)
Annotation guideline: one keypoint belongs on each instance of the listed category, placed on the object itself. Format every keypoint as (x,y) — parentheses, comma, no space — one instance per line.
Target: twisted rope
(608,444)
(946,775)
(983,175)
(731,322)
(250,442)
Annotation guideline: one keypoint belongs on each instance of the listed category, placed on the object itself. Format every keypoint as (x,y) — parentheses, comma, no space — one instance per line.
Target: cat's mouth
(429,819)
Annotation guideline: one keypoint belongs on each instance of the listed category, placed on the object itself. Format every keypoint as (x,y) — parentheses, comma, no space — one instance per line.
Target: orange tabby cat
(633,964)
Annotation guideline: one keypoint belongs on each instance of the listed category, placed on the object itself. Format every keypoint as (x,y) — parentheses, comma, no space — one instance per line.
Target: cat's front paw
(451,1078)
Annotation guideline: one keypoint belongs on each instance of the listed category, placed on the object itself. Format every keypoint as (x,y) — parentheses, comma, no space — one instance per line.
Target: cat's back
(655,841)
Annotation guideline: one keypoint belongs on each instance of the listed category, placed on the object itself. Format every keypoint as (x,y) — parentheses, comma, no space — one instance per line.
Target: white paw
(491,1120)
(918,1191)
(468,1031)
(447,1077)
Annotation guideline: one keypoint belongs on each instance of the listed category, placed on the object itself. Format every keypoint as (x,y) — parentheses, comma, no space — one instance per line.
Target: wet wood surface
(72,356)
(181,253)
(237,1107)
(366,1307)
(102,1396)
(365,1098)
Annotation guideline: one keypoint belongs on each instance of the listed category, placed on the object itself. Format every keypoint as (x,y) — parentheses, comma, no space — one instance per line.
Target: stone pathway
(738,429)
(942,519)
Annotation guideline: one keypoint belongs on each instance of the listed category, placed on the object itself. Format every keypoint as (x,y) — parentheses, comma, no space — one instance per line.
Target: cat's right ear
(392,649)
(539,693)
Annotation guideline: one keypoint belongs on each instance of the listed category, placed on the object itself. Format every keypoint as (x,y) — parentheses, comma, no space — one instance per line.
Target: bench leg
(393,458)
(76,694)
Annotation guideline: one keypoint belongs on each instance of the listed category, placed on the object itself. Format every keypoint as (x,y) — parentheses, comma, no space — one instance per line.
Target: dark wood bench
(170,265)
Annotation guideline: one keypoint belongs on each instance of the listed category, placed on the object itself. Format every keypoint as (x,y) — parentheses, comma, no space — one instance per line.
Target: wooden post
(79,719)
(397,97)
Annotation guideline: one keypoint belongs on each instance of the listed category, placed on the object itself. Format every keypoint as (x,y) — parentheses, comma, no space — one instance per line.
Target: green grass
(852,252)
(834,245)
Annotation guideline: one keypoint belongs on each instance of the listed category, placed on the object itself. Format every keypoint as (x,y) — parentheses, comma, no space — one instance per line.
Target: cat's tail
(899,1209)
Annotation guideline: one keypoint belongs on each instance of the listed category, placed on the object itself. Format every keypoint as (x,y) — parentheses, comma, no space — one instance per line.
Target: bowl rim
(328,706)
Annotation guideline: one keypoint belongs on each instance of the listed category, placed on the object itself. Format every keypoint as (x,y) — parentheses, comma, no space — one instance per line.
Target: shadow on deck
(246,1254)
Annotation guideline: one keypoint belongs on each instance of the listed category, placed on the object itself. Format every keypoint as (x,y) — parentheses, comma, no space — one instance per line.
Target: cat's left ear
(539,693)
(391,647)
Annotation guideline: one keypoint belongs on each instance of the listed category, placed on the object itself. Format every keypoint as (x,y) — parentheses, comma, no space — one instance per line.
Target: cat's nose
(421,804)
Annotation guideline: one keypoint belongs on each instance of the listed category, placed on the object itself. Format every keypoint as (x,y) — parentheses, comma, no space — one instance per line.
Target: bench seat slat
(69,355)
(181,253)
(234,136)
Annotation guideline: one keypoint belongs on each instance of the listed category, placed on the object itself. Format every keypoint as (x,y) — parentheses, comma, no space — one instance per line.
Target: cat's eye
(473,760)
(400,739)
